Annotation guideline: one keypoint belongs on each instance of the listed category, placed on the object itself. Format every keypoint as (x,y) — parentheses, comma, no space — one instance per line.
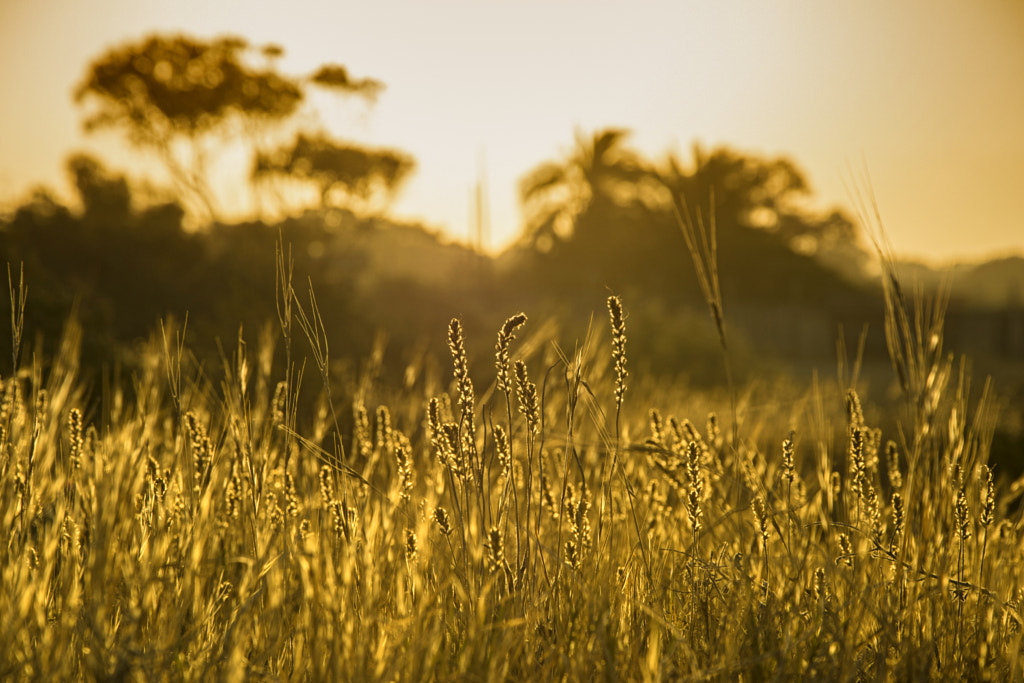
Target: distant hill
(998,283)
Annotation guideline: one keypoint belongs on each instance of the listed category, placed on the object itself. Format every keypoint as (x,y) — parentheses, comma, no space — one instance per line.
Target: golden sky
(927,96)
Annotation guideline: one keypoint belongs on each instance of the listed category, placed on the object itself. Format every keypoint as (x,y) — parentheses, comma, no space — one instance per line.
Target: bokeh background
(419,161)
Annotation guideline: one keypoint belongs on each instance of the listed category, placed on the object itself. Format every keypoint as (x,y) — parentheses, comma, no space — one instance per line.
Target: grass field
(561,519)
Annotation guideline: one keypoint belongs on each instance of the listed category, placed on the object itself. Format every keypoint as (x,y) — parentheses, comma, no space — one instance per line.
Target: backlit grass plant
(569,522)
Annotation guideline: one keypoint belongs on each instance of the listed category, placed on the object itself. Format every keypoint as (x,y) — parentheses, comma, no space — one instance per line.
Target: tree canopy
(602,174)
(342,173)
(181,97)
(754,192)
(600,169)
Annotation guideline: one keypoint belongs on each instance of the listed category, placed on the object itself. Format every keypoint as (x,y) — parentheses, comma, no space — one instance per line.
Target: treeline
(602,219)
(122,269)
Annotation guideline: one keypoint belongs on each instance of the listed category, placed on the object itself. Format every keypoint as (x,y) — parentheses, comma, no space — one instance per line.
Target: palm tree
(599,171)
(753,192)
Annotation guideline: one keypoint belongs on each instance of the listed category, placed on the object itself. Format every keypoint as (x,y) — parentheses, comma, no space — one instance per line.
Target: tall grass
(200,527)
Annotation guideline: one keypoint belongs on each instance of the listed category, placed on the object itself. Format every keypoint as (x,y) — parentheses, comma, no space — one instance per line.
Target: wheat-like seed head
(845,551)
(340,517)
(618,347)
(495,549)
(761,516)
(898,515)
(694,510)
(788,465)
(892,457)
(290,496)
(405,472)
(364,442)
(501,445)
(411,545)
(75,440)
(873,506)
(383,438)
(505,337)
(820,587)
(435,428)
(464,384)
(326,484)
(988,504)
(572,554)
(274,511)
(451,452)
(962,515)
(527,392)
(443,522)
(657,425)
(277,404)
(714,429)
(693,469)
(857,463)
(854,413)
(202,448)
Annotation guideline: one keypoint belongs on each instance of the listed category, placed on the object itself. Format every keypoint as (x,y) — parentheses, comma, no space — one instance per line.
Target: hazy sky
(927,96)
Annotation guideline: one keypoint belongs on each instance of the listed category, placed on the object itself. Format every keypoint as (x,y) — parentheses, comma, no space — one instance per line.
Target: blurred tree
(104,196)
(344,175)
(599,172)
(755,193)
(179,97)
(41,209)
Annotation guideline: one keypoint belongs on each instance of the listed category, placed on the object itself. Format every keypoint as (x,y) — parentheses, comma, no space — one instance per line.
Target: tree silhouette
(600,171)
(344,175)
(104,196)
(752,192)
(182,98)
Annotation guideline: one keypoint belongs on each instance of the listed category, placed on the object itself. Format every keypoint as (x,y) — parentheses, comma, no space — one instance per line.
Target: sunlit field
(687,423)
(535,512)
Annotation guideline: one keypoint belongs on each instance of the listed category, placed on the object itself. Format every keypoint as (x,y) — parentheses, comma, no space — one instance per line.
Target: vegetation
(185,99)
(571,519)
(310,470)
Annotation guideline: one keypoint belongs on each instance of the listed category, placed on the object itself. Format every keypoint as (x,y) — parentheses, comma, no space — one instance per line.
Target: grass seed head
(988,504)
(364,442)
(495,549)
(892,458)
(278,403)
(898,515)
(618,323)
(760,516)
(854,413)
(714,429)
(527,392)
(846,553)
(443,522)
(326,484)
(693,509)
(461,372)
(505,337)
(290,496)
(411,545)
(788,465)
(75,440)
(962,515)
(405,472)
(657,425)
(820,588)
(384,438)
(572,554)
(501,445)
